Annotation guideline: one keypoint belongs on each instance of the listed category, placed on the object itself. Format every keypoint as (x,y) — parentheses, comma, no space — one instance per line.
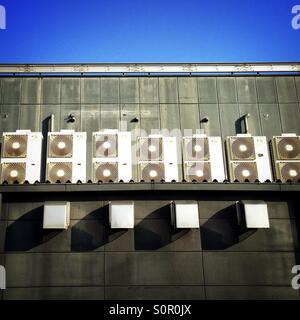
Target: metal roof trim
(151,68)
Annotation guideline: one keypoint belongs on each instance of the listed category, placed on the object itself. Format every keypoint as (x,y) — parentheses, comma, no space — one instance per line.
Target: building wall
(152,261)
(89,261)
(158,102)
(104,102)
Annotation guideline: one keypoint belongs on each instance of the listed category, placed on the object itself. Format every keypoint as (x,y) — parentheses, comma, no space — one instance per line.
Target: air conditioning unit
(157,158)
(286,157)
(112,157)
(66,156)
(203,158)
(21,156)
(248,158)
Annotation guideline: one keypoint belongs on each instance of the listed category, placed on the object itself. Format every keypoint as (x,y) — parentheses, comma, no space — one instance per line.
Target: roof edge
(151,68)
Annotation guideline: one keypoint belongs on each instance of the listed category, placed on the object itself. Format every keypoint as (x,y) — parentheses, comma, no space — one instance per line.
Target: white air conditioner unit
(66,156)
(21,156)
(112,156)
(248,158)
(253,214)
(286,157)
(157,158)
(203,158)
(121,214)
(184,214)
(56,215)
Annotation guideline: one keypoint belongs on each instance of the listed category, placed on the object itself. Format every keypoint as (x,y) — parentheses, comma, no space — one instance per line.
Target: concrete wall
(165,102)
(89,261)
(158,102)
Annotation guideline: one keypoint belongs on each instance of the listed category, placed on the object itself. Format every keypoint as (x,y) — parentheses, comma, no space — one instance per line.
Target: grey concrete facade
(89,261)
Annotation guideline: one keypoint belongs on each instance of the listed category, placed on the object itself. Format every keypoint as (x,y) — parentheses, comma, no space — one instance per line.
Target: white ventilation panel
(286,157)
(248,158)
(254,214)
(56,215)
(21,156)
(66,156)
(203,158)
(184,214)
(121,214)
(112,156)
(157,158)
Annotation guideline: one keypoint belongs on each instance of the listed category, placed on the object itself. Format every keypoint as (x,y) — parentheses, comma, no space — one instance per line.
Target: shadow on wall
(241,125)
(153,233)
(45,129)
(222,230)
(93,232)
(27,232)
(90,233)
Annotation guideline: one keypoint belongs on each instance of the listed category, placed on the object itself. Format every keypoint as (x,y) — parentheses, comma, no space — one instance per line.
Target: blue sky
(149,31)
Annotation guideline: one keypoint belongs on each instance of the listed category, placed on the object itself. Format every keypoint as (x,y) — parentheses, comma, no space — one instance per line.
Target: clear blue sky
(149,31)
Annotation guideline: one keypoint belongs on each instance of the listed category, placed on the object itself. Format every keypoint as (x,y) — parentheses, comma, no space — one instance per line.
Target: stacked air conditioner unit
(157,158)
(203,158)
(21,156)
(112,158)
(248,158)
(286,156)
(66,156)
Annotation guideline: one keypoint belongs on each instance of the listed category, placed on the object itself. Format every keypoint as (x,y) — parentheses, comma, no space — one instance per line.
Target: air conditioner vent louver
(198,171)
(152,171)
(106,146)
(289,171)
(244,171)
(12,172)
(288,148)
(151,149)
(60,146)
(15,146)
(105,172)
(59,171)
(196,149)
(242,148)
